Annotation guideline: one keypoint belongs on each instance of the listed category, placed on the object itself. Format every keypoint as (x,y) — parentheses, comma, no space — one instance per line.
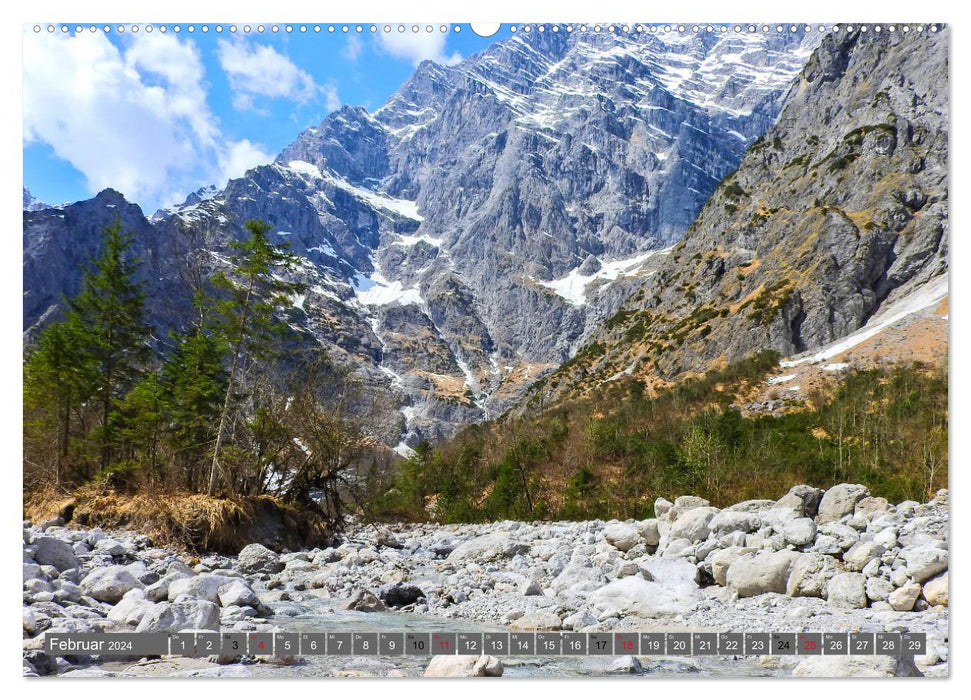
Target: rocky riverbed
(811,561)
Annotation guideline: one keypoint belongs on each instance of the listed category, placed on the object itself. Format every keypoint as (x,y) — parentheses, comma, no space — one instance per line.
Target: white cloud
(135,119)
(255,71)
(417,47)
(352,48)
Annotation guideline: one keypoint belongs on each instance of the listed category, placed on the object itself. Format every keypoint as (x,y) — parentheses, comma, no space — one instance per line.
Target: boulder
(537,621)
(662,506)
(109,583)
(693,523)
(361,600)
(54,552)
(621,535)
(682,504)
(802,500)
(397,595)
(935,590)
(847,590)
(110,547)
(764,572)
(721,559)
(729,521)
(878,589)
(844,536)
(799,531)
(185,615)
(132,607)
(751,506)
(495,545)
(636,597)
(463,667)
(32,570)
(870,506)
(924,562)
(386,538)
(203,587)
(255,558)
(577,578)
(159,591)
(861,554)
(902,599)
(648,531)
(855,667)
(237,592)
(841,500)
(810,575)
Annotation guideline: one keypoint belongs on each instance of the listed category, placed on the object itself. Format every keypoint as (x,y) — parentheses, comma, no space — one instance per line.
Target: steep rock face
(838,211)
(468,235)
(58,242)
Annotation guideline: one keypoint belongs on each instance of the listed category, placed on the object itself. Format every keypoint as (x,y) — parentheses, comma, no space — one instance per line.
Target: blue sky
(157,115)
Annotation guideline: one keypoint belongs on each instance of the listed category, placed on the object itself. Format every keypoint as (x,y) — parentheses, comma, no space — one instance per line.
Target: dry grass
(189,521)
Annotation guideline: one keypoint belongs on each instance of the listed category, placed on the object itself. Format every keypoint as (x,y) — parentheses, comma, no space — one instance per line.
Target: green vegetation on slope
(210,410)
(611,455)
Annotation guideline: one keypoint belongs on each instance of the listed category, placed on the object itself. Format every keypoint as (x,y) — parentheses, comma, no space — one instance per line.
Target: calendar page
(529,350)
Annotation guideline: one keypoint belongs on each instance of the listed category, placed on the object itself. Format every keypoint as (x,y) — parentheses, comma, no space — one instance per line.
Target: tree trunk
(230,385)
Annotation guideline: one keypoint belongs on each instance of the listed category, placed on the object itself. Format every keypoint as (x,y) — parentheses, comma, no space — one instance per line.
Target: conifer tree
(194,380)
(56,376)
(108,314)
(251,296)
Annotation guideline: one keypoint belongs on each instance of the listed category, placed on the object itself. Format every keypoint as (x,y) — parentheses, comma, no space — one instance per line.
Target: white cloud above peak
(132,117)
(255,70)
(417,47)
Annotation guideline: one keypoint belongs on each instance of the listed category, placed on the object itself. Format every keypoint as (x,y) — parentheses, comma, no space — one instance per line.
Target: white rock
(800,531)
(635,596)
(621,535)
(721,559)
(495,545)
(728,521)
(847,590)
(861,554)
(55,552)
(159,591)
(903,598)
(802,501)
(810,575)
(924,562)
(648,531)
(840,500)
(203,587)
(878,589)
(692,524)
(662,506)
(237,592)
(463,667)
(173,617)
(131,608)
(110,546)
(935,590)
(764,572)
(255,558)
(537,621)
(577,578)
(854,667)
(109,583)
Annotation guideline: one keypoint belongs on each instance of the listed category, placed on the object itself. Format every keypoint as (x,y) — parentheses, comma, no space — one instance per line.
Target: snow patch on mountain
(574,285)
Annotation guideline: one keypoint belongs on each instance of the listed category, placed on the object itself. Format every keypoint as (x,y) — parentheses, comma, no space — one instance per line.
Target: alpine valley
(567,208)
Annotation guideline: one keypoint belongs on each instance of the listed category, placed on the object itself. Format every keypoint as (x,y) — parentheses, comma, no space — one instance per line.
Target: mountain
(31,203)
(832,231)
(470,234)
